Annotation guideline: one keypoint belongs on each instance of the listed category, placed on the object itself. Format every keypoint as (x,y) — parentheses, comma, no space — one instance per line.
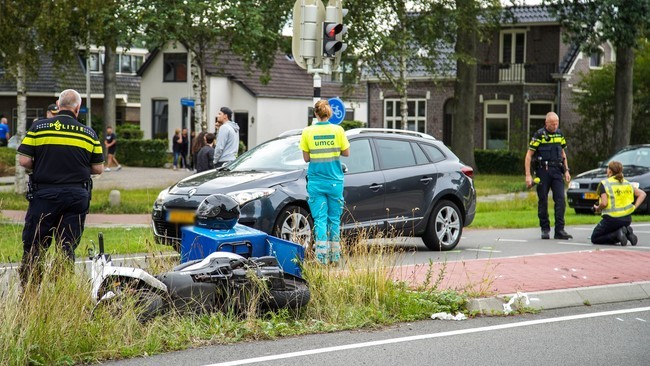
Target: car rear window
(434,153)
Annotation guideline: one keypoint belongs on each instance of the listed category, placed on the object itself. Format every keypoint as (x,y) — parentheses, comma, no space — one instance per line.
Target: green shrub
(146,153)
(499,162)
(348,125)
(129,131)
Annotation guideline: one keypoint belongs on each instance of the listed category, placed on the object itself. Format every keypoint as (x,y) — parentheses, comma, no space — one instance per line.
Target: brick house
(44,89)
(262,111)
(525,71)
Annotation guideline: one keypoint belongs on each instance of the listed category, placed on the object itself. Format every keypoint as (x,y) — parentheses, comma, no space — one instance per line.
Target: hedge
(145,153)
(499,162)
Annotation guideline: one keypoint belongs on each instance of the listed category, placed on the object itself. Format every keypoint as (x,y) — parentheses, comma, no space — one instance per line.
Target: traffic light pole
(326,69)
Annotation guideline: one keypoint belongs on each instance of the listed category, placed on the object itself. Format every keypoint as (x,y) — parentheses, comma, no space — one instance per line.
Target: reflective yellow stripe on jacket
(52,137)
(620,197)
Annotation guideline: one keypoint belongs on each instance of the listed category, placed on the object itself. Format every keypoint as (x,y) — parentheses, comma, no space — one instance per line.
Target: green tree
(248,28)
(621,22)
(596,107)
(30,29)
(392,40)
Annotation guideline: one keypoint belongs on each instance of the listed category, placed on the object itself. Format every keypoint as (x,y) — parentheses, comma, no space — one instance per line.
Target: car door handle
(426,180)
(376,187)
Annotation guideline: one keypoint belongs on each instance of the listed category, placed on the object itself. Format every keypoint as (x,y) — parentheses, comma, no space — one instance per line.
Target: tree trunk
(462,141)
(404,107)
(110,87)
(624,98)
(21,101)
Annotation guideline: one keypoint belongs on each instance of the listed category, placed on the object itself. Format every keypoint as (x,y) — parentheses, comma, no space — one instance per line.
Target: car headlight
(158,203)
(250,194)
(574,185)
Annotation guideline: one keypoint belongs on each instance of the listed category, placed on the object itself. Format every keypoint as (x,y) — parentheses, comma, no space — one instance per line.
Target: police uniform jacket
(548,148)
(620,197)
(63,150)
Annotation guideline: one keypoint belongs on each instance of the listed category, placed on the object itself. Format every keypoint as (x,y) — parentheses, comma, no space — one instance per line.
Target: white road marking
(482,250)
(514,240)
(641,320)
(315,351)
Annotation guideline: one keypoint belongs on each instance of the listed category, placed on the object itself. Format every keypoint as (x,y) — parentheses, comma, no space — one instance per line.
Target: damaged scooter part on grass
(221,281)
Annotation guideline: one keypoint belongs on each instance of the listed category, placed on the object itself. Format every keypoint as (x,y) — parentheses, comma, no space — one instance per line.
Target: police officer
(617,204)
(322,143)
(546,153)
(62,154)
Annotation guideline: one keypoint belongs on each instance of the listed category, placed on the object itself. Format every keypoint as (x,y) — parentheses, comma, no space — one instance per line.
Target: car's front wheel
(294,224)
(445,227)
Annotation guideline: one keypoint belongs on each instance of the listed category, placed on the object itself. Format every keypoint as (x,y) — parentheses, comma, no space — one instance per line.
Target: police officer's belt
(38,186)
(543,163)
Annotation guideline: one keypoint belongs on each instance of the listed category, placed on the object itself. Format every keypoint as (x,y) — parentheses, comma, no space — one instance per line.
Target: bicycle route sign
(338,110)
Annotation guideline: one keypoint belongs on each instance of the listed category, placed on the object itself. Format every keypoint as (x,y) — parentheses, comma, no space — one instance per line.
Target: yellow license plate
(181,217)
(590,196)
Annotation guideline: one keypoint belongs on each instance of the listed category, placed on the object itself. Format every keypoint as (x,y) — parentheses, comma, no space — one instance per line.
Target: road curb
(554,299)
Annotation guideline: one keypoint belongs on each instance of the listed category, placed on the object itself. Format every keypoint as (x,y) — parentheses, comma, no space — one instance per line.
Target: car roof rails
(357,131)
(294,132)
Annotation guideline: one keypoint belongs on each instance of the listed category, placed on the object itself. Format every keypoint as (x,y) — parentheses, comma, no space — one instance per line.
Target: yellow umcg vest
(620,196)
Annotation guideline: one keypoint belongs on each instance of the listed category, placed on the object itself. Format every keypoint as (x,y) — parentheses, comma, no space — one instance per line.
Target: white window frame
(601,59)
(417,121)
(513,47)
(532,116)
(487,116)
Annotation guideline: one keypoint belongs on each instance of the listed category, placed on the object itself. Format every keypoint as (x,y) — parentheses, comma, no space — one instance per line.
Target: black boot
(563,235)
(629,234)
(620,237)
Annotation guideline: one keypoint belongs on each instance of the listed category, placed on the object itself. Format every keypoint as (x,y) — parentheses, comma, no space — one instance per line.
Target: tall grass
(54,323)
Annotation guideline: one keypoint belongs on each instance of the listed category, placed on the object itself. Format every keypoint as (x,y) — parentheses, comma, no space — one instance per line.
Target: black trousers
(606,230)
(53,213)
(551,179)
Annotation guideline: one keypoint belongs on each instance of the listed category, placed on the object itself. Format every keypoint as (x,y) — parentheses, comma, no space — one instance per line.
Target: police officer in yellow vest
(616,204)
(322,143)
(546,153)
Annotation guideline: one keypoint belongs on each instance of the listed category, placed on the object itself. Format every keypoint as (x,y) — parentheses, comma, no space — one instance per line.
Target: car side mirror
(345,168)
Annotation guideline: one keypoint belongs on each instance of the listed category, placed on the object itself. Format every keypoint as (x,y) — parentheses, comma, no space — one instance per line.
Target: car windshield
(273,155)
(638,157)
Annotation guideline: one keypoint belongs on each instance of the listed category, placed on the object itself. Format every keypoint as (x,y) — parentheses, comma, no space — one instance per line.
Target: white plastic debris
(448,316)
(507,307)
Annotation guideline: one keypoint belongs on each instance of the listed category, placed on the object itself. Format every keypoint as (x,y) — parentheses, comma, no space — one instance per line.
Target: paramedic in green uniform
(322,144)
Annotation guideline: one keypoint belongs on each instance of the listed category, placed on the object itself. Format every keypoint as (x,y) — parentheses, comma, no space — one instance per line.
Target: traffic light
(307,18)
(331,45)
(333,29)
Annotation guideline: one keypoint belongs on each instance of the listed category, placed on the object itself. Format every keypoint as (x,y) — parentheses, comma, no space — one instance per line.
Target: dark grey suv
(399,182)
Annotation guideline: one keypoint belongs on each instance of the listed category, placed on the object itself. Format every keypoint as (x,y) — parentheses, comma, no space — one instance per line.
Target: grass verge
(54,324)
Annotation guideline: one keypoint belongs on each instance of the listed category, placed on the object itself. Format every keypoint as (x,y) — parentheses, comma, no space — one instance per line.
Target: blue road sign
(338,110)
(83,109)
(187,102)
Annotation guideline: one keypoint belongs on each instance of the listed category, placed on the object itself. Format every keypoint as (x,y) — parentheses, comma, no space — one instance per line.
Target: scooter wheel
(295,295)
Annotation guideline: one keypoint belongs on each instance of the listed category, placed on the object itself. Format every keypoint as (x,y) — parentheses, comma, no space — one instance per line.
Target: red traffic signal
(331,45)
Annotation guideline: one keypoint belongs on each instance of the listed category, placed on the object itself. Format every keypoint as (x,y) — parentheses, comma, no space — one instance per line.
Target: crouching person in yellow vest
(617,203)
(322,143)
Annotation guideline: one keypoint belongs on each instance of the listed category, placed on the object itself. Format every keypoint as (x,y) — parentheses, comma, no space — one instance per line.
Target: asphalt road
(499,243)
(611,334)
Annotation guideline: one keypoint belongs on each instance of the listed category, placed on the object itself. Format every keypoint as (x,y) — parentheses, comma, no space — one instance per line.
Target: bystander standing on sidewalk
(110,141)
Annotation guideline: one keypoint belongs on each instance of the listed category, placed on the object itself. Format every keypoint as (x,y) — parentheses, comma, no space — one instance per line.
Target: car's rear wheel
(445,227)
(294,224)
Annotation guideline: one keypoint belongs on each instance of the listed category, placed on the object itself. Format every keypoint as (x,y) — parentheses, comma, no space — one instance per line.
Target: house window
(175,69)
(537,115)
(497,115)
(160,119)
(124,64)
(32,114)
(513,47)
(596,59)
(94,63)
(416,119)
